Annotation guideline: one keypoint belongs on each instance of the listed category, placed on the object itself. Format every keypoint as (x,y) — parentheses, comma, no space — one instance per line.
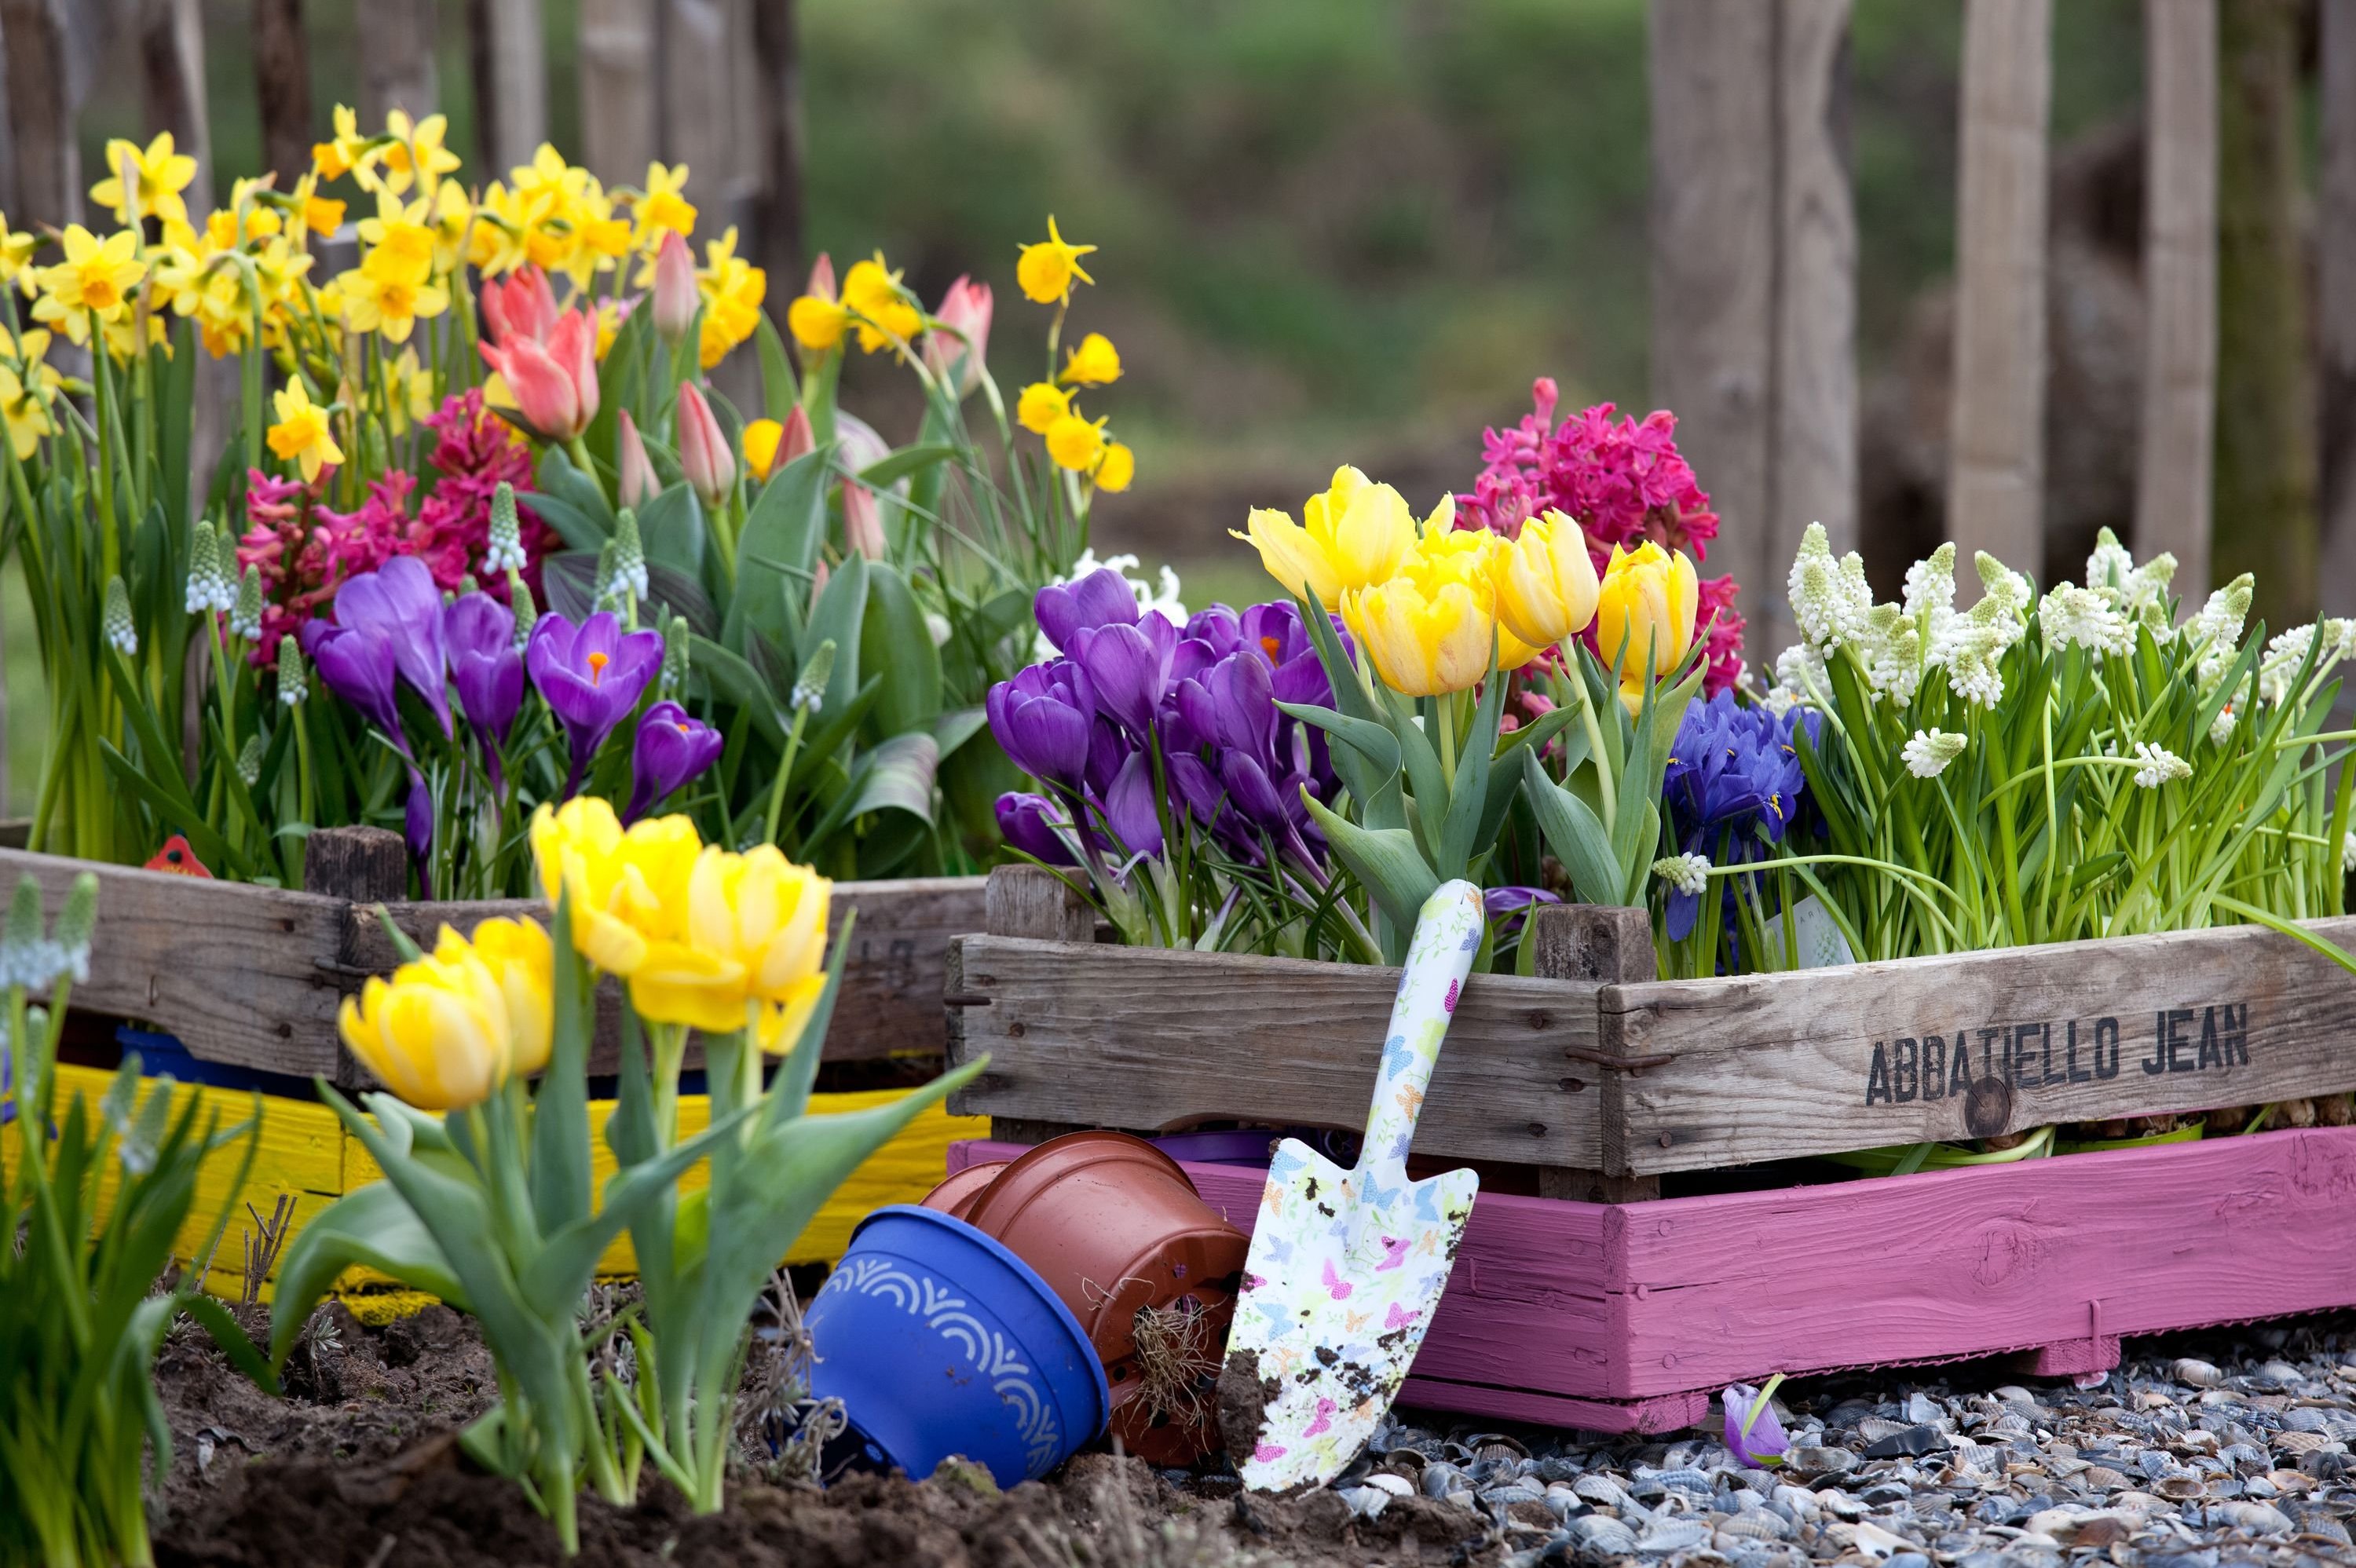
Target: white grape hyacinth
(1830,599)
(2160,765)
(1148,597)
(1690,874)
(2081,616)
(1928,754)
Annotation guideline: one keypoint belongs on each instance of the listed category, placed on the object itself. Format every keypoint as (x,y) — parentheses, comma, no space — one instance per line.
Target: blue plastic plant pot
(938,1340)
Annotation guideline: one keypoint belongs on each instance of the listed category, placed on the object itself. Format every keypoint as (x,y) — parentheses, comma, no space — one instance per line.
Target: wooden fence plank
(1996,459)
(282,84)
(2179,271)
(241,974)
(43,92)
(172,77)
(1131,1037)
(776,242)
(397,72)
(619,118)
(511,71)
(2335,272)
(1775,1066)
(1713,273)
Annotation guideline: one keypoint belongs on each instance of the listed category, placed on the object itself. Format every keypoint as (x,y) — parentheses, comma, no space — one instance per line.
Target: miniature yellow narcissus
(872,293)
(1095,363)
(95,277)
(145,184)
(1040,405)
(25,392)
(733,292)
(1075,442)
(1116,468)
(663,206)
(1045,270)
(301,436)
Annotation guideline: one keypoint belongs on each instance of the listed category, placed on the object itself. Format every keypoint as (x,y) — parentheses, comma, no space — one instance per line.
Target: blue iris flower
(1733,789)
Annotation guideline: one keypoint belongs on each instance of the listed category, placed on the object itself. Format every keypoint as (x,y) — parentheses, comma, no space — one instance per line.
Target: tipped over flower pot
(1150,1271)
(956,1196)
(938,1340)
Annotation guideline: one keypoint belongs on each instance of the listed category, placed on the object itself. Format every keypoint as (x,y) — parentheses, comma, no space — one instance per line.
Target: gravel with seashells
(2203,1450)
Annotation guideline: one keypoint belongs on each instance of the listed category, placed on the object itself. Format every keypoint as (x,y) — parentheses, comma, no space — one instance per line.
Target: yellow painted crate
(307,1151)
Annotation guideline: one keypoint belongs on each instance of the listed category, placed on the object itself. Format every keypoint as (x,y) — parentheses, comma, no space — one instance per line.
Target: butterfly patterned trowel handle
(1447,933)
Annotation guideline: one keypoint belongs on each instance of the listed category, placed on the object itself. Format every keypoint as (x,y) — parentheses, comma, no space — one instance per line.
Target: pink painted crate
(1631,1316)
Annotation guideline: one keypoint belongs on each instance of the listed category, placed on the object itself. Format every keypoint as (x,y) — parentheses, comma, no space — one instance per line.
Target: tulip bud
(676,297)
(797,440)
(821,278)
(965,312)
(1545,581)
(703,454)
(1645,612)
(863,525)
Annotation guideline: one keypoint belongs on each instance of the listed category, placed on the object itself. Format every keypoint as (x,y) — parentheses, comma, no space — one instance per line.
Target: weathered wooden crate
(251,976)
(1606,1078)
(1628,1316)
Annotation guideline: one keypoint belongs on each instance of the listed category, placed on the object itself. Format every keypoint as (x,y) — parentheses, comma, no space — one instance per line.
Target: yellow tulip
(1546,583)
(1646,603)
(522,964)
(438,1034)
(1352,536)
(1431,627)
(629,890)
(754,949)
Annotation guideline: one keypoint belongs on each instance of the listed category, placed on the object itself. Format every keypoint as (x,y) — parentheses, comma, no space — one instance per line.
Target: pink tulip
(818,583)
(964,309)
(675,289)
(821,278)
(796,442)
(863,525)
(548,358)
(522,306)
(703,454)
(639,484)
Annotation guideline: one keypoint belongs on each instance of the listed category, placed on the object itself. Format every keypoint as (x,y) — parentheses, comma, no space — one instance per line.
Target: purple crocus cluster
(1136,706)
(391,628)
(1734,788)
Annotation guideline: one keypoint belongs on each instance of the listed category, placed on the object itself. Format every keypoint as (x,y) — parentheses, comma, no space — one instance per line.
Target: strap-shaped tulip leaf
(1574,834)
(1388,863)
(373,1228)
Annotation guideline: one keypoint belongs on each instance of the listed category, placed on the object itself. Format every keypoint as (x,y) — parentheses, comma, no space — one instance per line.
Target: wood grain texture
(891,1001)
(1997,453)
(1034,901)
(282,84)
(1713,247)
(46,80)
(618,59)
(510,56)
(241,974)
(172,79)
(1602,944)
(1812,434)
(1672,1413)
(2179,271)
(775,238)
(2335,272)
(397,69)
(1131,1037)
(1776,1066)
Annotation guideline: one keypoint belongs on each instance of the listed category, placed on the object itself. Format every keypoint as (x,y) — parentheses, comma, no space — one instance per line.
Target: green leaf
(1385,861)
(896,644)
(908,460)
(739,684)
(560,1109)
(371,1228)
(671,524)
(838,617)
(561,481)
(899,776)
(1574,834)
(214,1319)
(779,390)
(958,725)
(777,553)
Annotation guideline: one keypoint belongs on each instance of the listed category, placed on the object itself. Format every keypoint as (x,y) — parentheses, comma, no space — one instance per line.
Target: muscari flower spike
(121,631)
(675,658)
(249,761)
(526,612)
(294,684)
(245,616)
(605,588)
(76,923)
(504,552)
(629,554)
(809,687)
(204,564)
(1929,752)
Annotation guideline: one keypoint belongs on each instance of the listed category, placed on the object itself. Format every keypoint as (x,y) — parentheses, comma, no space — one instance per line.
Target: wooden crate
(306,1152)
(251,976)
(1621,1318)
(1606,1078)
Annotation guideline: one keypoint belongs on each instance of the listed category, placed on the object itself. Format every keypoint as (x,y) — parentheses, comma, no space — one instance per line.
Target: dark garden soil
(358,1468)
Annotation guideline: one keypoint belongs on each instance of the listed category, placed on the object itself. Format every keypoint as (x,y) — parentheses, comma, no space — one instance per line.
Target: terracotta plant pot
(955,1197)
(1116,1230)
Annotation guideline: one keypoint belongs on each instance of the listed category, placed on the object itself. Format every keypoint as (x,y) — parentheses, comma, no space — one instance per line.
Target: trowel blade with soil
(1347,1266)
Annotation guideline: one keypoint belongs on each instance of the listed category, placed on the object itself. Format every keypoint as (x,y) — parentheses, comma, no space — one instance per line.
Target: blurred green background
(1330,230)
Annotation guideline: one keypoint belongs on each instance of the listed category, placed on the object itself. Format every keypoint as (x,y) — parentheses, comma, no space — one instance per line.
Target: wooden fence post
(172,68)
(2334,273)
(1593,942)
(509,59)
(43,93)
(617,87)
(396,39)
(777,208)
(1995,473)
(1029,901)
(365,866)
(282,82)
(2179,272)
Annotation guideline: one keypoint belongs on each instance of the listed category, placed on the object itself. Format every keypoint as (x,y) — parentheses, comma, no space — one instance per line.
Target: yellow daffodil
(522,962)
(1645,606)
(610,317)
(732,290)
(408,392)
(401,241)
(302,435)
(1075,442)
(1430,627)
(27,385)
(872,293)
(347,151)
(1041,405)
(1353,535)
(1045,270)
(1545,583)
(440,1034)
(1095,363)
(663,204)
(448,215)
(15,252)
(416,156)
(321,215)
(818,325)
(388,306)
(95,278)
(1116,468)
(501,221)
(548,175)
(145,184)
(761,440)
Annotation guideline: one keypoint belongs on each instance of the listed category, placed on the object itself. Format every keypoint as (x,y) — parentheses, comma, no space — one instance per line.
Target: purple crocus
(1102,598)
(1511,905)
(7,1087)
(479,633)
(590,676)
(417,819)
(361,666)
(1031,824)
(672,749)
(1128,668)
(1131,811)
(1758,1439)
(399,601)
(1042,719)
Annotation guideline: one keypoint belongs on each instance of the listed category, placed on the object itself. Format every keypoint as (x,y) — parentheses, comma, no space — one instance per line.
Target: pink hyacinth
(1625,482)
(473,451)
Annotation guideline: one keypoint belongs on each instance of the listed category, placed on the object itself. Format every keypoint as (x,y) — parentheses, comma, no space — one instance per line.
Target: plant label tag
(1821,946)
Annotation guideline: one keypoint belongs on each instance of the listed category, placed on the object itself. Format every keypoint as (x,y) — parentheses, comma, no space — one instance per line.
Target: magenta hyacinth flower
(399,601)
(1757,1440)
(671,750)
(590,676)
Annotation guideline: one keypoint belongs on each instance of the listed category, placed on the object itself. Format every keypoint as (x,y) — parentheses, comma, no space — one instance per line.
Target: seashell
(1873,1428)
(2280,1373)
(1497,1446)
(1664,1539)
(1563,1504)
(1921,1409)
(2197,1374)
(1404,1462)
(2182,1488)
(1464,1500)
(1440,1478)
(1757,1524)
(1840,1505)
(2241,1453)
(2258,1519)
(1490,1472)
(1512,1492)
(1600,1538)
(2300,1442)
(2304,1418)
(1811,1461)
(2103,1478)
(1397,1485)
(2315,1523)
(1600,1490)
(1557,1469)
(1366,1502)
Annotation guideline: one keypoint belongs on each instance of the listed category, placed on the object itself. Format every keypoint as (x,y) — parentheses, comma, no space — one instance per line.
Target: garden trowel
(1347,1266)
